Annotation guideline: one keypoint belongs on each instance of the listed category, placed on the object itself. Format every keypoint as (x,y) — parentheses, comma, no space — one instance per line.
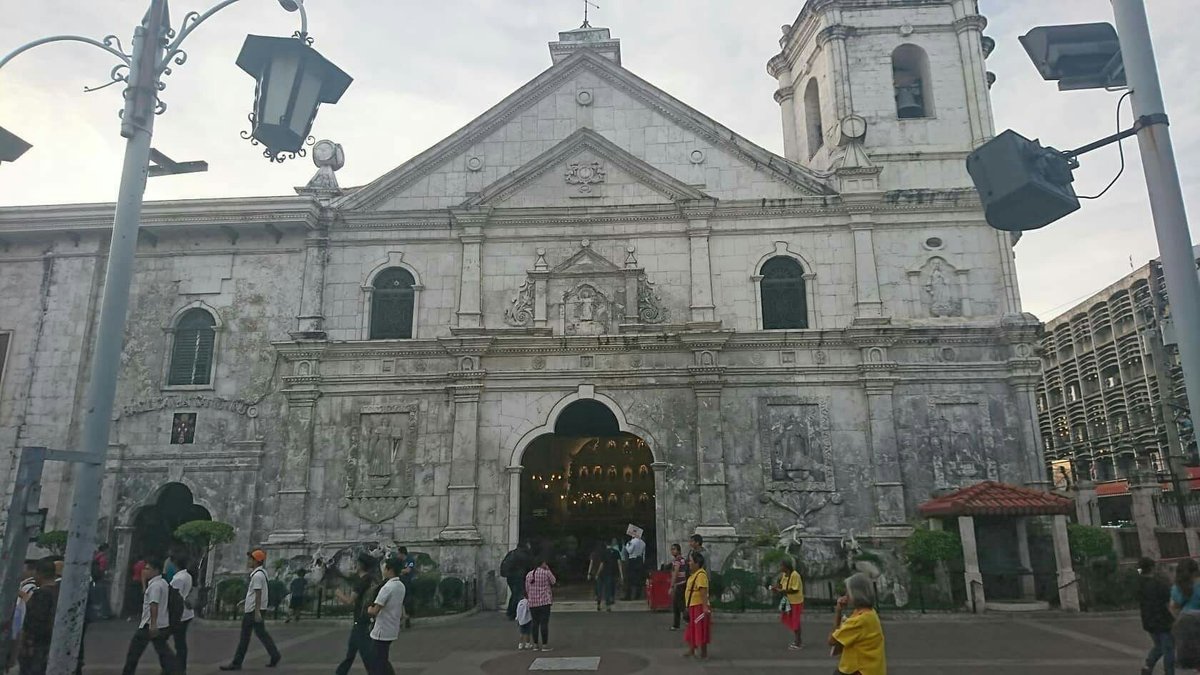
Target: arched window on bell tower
(812,117)
(910,82)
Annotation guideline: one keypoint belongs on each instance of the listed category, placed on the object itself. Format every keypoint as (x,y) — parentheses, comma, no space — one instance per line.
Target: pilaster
(310,321)
(707,383)
(886,483)
(785,97)
(868,306)
(470,308)
(463,489)
(971,54)
(697,213)
(297,459)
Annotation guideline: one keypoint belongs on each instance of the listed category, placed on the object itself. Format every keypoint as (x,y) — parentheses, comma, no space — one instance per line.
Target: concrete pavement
(632,642)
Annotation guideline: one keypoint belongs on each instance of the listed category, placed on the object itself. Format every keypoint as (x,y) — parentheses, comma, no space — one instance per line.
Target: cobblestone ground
(636,642)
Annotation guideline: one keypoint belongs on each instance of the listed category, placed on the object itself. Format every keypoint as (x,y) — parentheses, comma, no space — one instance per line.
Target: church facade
(821,339)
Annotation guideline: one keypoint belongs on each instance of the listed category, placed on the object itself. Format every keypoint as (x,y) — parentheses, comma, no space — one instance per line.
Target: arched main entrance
(583,484)
(153,531)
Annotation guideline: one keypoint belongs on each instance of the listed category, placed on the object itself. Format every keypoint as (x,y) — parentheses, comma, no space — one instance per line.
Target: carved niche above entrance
(379,469)
(586,294)
(794,434)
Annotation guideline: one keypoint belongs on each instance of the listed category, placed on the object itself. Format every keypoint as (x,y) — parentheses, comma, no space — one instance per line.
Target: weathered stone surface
(642,292)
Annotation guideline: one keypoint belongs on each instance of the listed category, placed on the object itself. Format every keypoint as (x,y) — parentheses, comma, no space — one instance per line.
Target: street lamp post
(156,46)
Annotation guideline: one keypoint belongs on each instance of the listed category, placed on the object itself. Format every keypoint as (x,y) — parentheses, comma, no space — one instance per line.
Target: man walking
(155,624)
(182,582)
(41,599)
(387,609)
(1154,594)
(359,643)
(252,619)
(635,549)
(513,568)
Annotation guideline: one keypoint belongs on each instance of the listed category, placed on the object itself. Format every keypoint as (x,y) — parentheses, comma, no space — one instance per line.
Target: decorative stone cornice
(835,32)
(973,22)
(697,209)
(466,346)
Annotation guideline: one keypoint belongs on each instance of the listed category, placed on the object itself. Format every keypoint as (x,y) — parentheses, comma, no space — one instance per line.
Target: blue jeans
(1164,648)
(606,590)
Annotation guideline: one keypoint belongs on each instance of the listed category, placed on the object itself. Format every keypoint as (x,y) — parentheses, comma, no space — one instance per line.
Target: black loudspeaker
(1023,186)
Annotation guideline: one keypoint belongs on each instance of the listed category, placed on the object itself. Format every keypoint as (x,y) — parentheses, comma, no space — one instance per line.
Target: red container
(658,591)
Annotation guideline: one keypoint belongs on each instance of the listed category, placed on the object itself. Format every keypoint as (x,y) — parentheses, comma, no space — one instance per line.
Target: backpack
(508,565)
(175,605)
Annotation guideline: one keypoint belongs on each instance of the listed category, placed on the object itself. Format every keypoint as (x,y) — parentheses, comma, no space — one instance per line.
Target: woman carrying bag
(699,629)
(791,604)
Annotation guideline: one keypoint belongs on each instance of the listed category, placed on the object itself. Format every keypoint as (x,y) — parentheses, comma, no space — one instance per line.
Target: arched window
(784,304)
(392,305)
(192,352)
(812,117)
(910,80)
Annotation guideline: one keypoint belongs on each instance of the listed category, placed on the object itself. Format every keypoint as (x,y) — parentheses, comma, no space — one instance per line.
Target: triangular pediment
(585,168)
(586,90)
(585,261)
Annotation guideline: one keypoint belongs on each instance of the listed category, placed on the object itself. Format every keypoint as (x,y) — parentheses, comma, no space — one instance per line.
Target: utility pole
(1162,376)
(1166,197)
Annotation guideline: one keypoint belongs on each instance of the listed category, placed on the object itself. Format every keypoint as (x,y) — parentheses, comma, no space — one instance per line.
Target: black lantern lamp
(293,80)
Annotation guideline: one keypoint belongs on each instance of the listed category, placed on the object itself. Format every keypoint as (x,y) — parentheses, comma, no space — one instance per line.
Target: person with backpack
(252,617)
(513,568)
(182,584)
(155,623)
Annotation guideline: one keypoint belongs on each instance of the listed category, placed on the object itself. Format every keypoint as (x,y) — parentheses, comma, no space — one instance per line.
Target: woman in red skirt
(792,608)
(699,629)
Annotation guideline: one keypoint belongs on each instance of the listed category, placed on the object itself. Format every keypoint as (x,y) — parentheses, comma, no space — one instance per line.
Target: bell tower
(887,94)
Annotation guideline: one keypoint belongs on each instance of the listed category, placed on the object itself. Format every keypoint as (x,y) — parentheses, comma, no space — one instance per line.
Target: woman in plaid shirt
(538,592)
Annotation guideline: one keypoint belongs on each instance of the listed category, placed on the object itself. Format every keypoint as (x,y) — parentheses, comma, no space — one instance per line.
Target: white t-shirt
(387,622)
(258,582)
(182,581)
(524,616)
(156,594)
(636,548)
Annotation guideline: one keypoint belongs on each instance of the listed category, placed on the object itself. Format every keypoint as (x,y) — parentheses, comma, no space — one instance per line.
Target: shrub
(54,541)
(276,589)
(1089,543)
(772,558)
(231,591)
(925,548)
(424,588)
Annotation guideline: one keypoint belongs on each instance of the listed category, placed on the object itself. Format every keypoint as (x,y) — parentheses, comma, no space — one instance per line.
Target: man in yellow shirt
(859,637)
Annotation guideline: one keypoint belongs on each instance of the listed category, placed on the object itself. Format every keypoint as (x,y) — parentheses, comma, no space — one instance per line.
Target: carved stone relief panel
(520,310)
(794,436)
(586,311)
(941,293)
(960,439)
(379,468)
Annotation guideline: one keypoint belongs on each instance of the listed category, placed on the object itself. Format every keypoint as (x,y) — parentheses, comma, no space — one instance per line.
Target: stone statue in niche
(380,471)
(940,291)
(587,311)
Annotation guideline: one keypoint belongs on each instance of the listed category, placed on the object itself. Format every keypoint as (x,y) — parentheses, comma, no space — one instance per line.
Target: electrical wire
(1120,150)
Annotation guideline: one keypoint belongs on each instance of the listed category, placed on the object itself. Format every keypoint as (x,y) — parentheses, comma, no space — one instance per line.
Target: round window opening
(934,242)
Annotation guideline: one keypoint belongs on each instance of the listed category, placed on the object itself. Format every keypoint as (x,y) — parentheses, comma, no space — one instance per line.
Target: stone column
(1024,386)
(697,212)
(310,321)
(514,505)
(662,536)
(867,306)
(833,40)
(785,97)
(119,571)
(1028,590)
(1086,507)
(976,601)
(970,48)
(1068,588)
(470,291)
(1143,494)
(886,483)
(710,457)
(290,515)
(464,464)
(540,274)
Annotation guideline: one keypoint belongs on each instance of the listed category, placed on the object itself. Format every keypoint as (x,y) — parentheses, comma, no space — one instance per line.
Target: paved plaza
(636,642)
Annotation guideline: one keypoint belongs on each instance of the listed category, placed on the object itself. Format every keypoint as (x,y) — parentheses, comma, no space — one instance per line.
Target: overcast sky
(423,69)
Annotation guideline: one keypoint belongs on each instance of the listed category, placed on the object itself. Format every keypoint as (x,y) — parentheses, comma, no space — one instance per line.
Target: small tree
(54,541)
(202,536)
(925,548)
(1089,543)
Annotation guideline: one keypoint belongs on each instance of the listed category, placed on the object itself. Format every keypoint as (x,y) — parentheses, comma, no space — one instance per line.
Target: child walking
(525,625)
